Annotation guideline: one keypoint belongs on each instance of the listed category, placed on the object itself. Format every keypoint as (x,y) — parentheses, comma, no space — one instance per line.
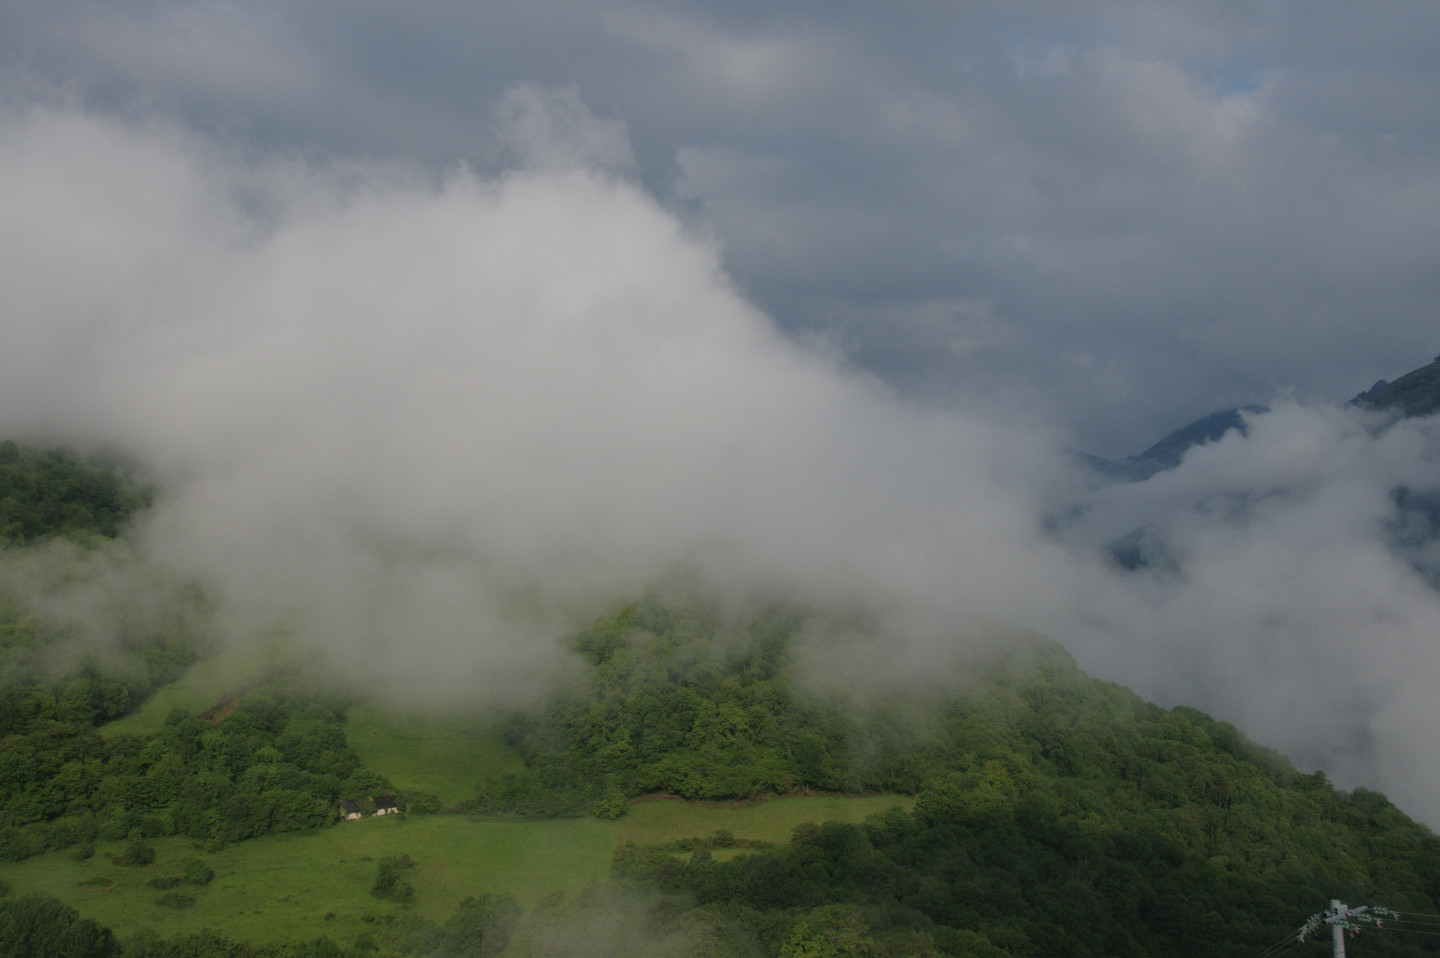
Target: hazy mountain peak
(1169,451)
(1417,393)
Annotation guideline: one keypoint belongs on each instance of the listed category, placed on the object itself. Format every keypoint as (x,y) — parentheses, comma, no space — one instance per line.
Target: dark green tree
(38,927)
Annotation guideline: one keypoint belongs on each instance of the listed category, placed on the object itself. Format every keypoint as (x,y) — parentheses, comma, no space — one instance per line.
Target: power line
(1280,945)
(1342,918)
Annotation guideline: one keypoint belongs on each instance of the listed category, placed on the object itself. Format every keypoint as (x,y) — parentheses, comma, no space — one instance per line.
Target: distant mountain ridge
(1413,530)
(1169,451)
(1417,393)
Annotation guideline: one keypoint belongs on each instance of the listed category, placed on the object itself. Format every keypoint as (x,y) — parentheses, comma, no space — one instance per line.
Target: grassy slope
(427,753)
(284,885)
(206,683)
(651,822)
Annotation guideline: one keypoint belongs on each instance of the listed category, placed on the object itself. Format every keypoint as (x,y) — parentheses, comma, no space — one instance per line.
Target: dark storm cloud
(1122,216)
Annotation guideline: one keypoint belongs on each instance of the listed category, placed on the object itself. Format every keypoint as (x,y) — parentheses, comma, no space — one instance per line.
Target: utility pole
(1342,918)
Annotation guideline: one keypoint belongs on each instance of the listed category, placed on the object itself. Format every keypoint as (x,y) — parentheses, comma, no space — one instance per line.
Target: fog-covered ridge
(433,424)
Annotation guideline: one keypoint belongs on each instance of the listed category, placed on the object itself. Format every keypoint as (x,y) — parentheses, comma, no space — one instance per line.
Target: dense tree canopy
(1054,813)
(48,492)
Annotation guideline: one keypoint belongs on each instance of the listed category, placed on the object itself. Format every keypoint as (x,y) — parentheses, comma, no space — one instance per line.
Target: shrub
(156,825)
(136,852)
(173,899)
(388,883)
(423,803)
(196,871)
(38,926)
(611,804)
(481,926)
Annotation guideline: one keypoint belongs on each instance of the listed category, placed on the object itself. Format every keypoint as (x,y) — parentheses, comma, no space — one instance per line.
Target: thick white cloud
(1275,596)
(389,407)
(431,422)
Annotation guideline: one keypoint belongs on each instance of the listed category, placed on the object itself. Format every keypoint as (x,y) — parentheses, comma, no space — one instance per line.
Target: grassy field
(449,756)
(206,683)
(653,822)
(303,885)
(307,884)
(443,755)
(426,753)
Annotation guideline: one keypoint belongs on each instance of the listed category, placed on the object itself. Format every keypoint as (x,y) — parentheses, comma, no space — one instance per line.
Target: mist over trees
(276,760)
(684,409)
(570,394)
(1052,813)
(48,492)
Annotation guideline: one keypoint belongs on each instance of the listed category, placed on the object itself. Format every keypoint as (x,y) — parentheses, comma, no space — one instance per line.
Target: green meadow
(303,884)
(428,753)
(207,683)
(448,757)
(667,820)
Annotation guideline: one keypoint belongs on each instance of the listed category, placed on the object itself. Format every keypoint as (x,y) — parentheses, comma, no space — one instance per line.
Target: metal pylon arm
(1342,918)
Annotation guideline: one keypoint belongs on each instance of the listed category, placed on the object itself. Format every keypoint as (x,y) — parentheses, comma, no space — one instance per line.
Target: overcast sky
(1117,216)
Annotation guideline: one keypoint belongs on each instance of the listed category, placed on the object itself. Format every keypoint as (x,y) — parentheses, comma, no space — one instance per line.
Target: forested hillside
(275,760)
(49,492)
(1053,814)
(1417,393)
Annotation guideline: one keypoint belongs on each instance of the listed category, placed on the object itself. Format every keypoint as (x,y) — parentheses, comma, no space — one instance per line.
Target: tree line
(49,492)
